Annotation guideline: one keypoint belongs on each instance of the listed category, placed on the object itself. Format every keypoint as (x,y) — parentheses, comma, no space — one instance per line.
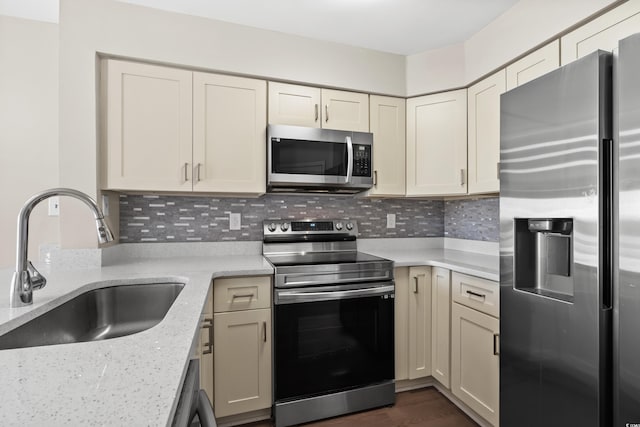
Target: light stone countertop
(135,380)
(132,380)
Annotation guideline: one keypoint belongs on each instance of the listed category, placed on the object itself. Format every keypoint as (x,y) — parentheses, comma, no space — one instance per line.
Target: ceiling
(403,27)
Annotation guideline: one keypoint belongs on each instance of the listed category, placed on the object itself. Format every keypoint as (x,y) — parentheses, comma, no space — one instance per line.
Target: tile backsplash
(163,218)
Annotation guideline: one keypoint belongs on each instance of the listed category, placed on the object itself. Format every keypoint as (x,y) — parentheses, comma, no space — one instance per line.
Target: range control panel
(310,227)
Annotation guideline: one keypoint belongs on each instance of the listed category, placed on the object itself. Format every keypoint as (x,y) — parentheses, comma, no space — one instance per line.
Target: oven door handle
(298,296)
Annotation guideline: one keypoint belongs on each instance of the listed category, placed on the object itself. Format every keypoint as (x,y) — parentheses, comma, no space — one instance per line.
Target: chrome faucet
(26,278)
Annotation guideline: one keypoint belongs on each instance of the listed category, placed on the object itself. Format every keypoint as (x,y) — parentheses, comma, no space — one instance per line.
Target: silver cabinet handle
(264,331)
(498,170)
(326,112)
(415,285)
(208,324)
(349,159)
(476,294)
(496,344)
(317,112)
(242,296)
(198,167)
(186,176)
(375,178)
(461,177)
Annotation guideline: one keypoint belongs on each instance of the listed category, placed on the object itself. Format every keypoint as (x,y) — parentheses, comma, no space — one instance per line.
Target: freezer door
(555,308)
(627,281)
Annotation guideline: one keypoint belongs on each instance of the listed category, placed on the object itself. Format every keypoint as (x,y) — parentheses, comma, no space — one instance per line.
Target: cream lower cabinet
(441,325)
(475,345)
(315,107)
(242,345)
(484,133)
(413,322)
(206,347)
(388,125)
(602,32)
(437,144)
(169,129)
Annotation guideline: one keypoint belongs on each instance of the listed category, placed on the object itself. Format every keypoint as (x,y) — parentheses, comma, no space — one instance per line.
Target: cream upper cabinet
(294,105)
(345,110)
(534,65)
(484,133)
(601,33)
(229,134)
(440,324)
(148,129)
(419,322)
(314,107)
(175,130)
(437,144)
(388,125)
(242,345)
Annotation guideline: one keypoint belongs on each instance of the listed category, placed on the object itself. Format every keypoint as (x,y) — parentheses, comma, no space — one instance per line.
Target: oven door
(332,338)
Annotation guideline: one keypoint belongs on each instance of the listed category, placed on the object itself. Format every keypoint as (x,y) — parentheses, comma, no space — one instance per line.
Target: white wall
(28,129)
(521,28)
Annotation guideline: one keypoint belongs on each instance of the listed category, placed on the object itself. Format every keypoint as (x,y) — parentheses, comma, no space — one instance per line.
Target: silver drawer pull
(242,296)
(415,285)
(317,115)
(476,294)
(264,331)
(186,176)
(496,344)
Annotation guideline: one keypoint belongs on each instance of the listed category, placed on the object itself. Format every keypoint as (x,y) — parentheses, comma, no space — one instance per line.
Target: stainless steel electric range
(333,321)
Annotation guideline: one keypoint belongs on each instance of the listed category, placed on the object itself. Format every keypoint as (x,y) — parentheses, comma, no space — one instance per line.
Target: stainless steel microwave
(318,160)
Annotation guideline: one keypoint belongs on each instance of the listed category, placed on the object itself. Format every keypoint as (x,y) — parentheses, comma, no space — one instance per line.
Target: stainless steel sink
(98,314)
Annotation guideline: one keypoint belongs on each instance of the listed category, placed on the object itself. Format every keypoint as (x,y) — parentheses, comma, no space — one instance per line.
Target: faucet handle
(38,281)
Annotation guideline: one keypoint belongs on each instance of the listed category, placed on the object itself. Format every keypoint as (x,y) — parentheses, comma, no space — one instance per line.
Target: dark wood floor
(425,407)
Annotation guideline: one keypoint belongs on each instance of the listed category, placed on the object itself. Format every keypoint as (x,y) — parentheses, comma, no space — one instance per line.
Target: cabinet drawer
(480,294)
(241,293)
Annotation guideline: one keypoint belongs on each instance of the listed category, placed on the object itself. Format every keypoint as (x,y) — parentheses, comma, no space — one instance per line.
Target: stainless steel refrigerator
(570,245)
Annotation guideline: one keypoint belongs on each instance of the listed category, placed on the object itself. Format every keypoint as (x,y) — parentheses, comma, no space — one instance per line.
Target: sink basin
(98,314)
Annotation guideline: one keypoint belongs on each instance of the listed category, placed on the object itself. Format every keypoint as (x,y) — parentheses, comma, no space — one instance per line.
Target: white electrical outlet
(54,206)
(234,221)
(391,220)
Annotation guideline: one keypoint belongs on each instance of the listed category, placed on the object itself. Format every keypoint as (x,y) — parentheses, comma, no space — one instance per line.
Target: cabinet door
(534,65)
(601,33)
(148,138)
(440,323)
(242,362)
(475,364)
(437,144)
(229,140)
(294,105)
(419,322)
(206,346)
(345,110)
(484,133)
(401,323)
(388,125)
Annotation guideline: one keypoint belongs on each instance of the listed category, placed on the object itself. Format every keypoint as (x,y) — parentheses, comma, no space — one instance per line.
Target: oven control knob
(338,226)
(349,226)
(284,226)
(272,227)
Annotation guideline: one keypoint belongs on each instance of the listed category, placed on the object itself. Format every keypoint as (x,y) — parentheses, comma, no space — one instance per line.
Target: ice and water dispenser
(544,257)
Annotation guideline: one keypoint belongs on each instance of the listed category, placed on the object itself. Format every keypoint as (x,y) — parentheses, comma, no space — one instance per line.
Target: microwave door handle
(349,160)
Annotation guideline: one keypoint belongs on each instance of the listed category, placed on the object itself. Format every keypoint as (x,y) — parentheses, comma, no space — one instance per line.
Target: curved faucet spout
(26,278)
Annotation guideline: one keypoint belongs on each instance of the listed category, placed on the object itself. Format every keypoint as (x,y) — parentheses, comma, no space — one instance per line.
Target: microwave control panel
(361,160)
